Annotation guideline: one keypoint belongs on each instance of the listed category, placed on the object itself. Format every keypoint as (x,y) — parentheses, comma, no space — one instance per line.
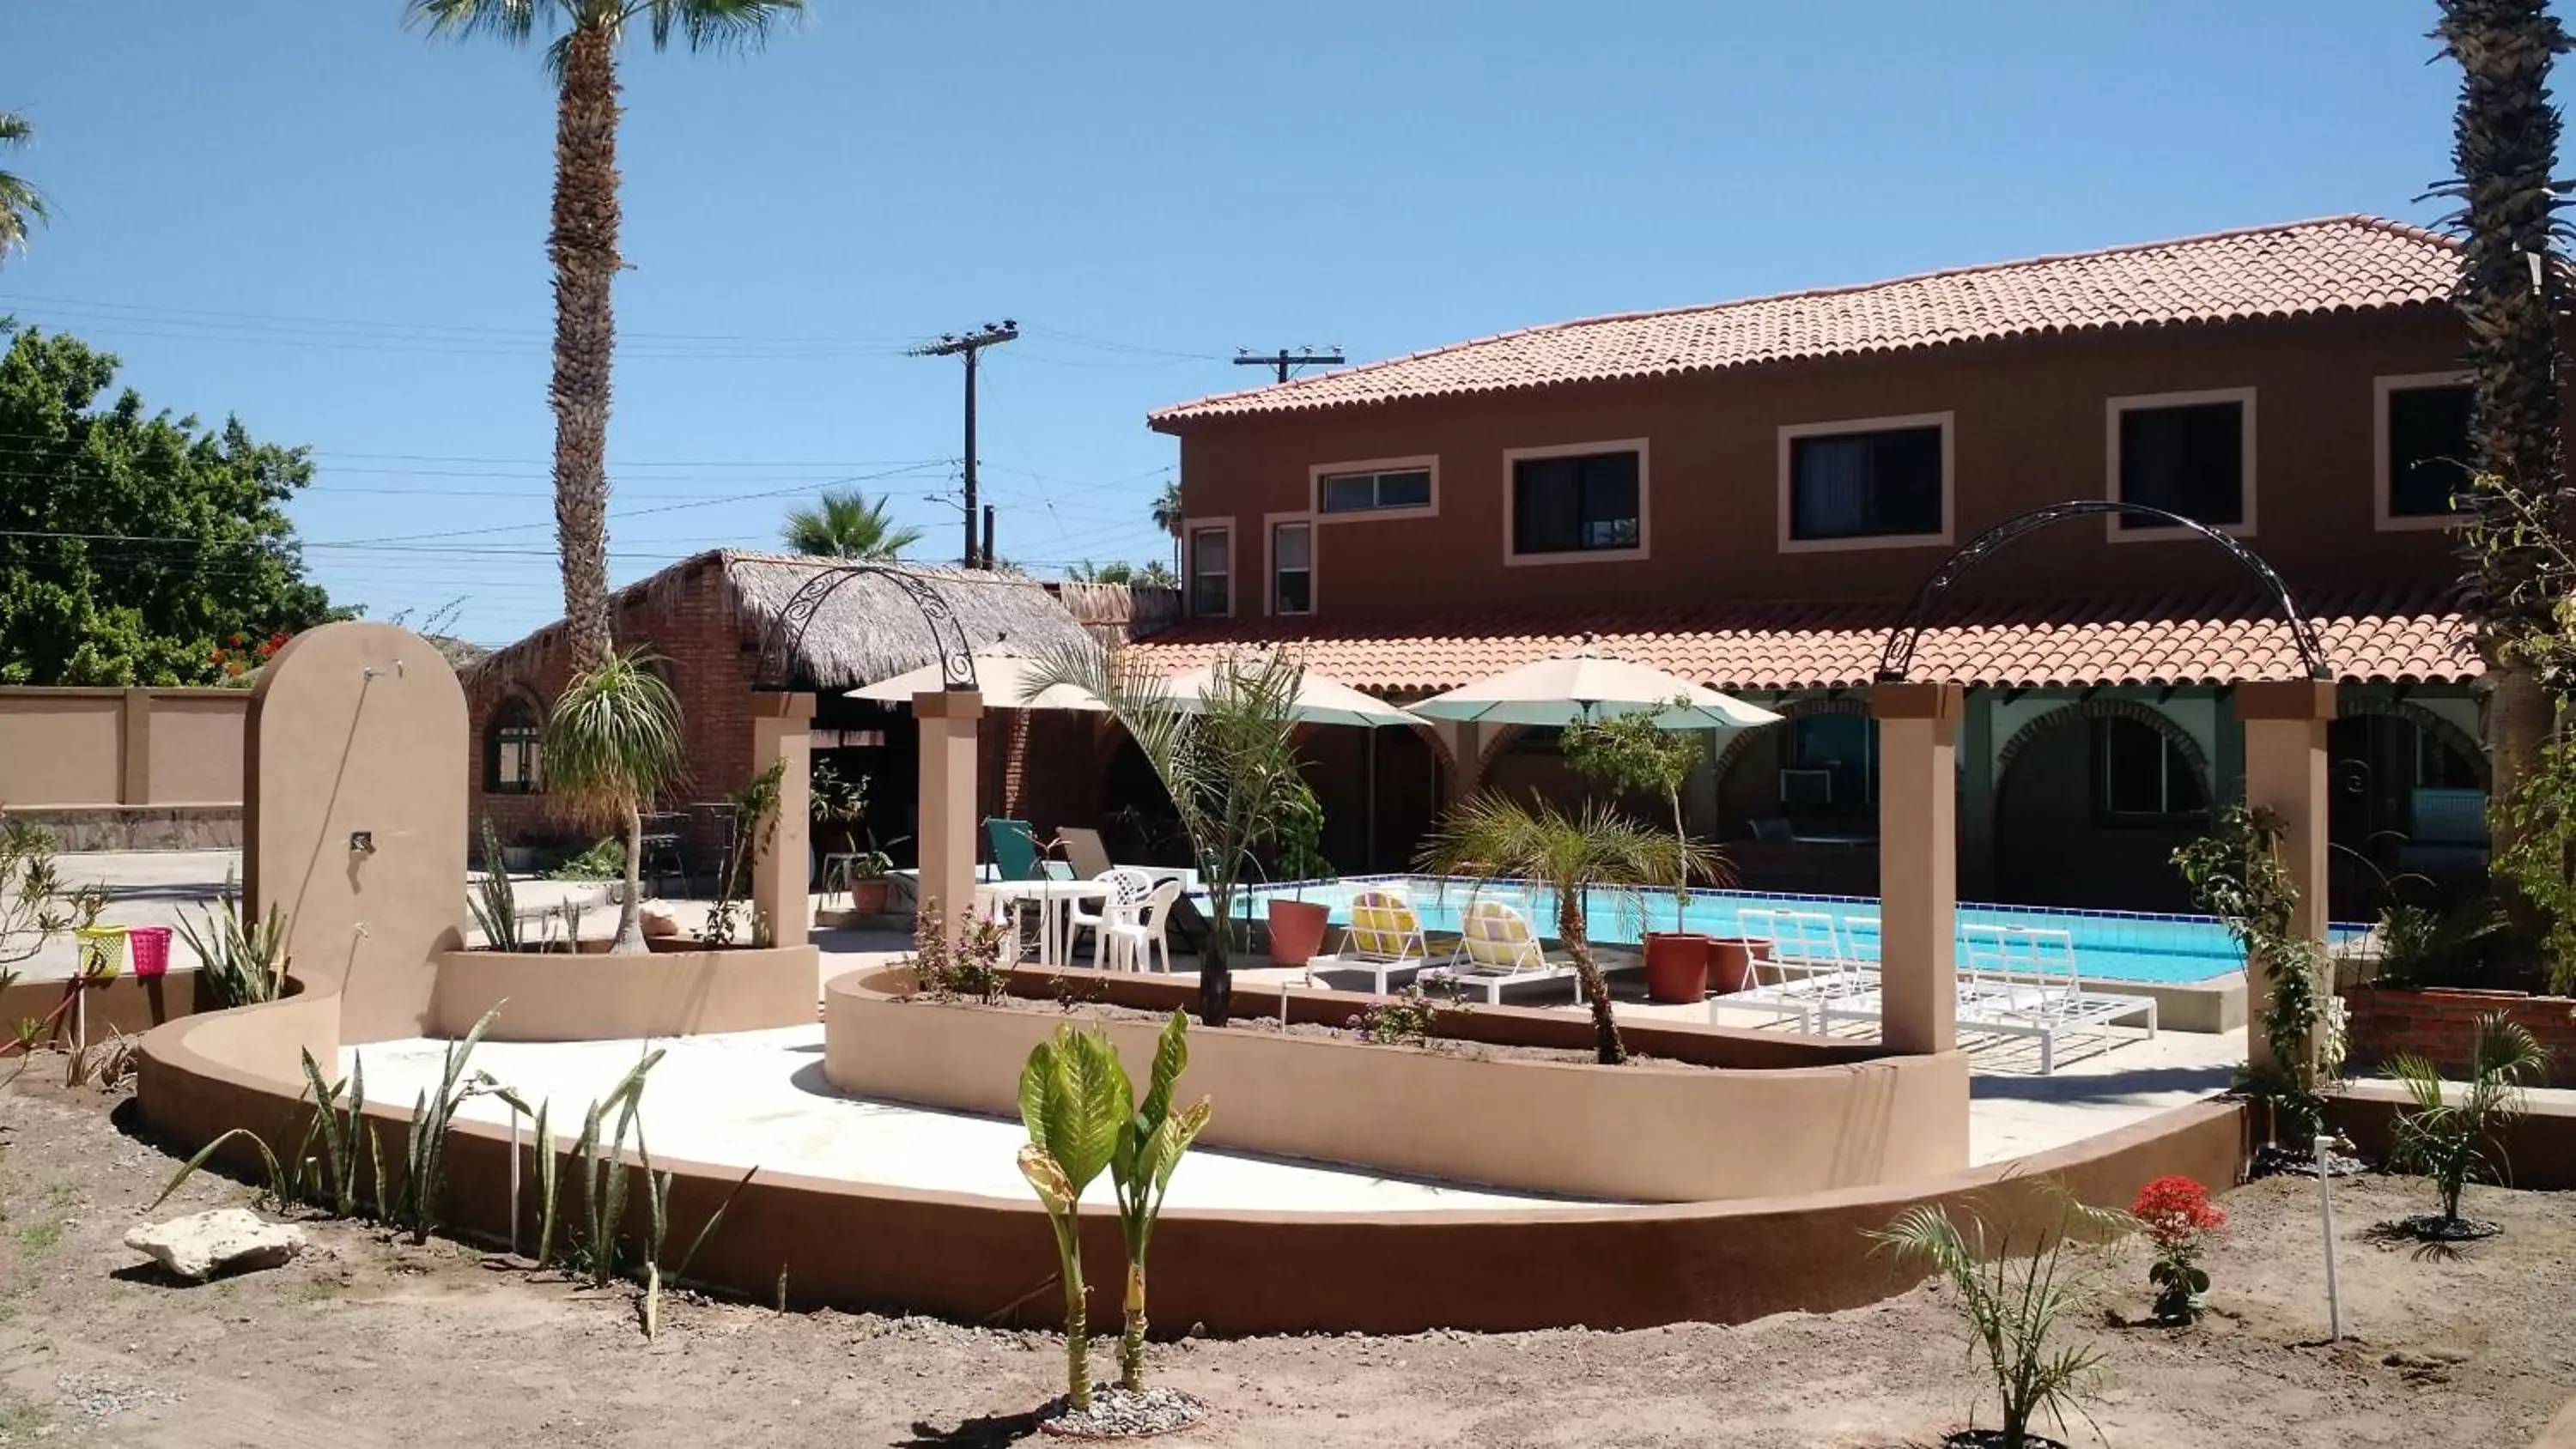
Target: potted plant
(1297,926)
(1630,753)
(838,803)
(864,873)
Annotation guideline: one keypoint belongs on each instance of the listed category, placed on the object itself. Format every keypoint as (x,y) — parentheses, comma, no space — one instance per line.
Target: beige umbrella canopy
(1586,685)
(1002,673)
(1320,700)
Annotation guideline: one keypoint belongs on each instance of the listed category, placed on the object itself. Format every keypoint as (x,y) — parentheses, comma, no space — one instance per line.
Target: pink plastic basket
(150,947)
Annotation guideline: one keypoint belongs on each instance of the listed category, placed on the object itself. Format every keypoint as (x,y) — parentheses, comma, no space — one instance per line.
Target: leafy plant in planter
(1494,837)
(2013,1289)
(2178,1218)
(2449,1141)
(837,803)
(2418,947)
(1297,928)
(238,964)
(1630,753)
(612,746)
(495,904)
(2237,874)
(753,831)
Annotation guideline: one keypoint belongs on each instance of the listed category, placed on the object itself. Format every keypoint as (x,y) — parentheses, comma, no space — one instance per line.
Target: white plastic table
(1055,900)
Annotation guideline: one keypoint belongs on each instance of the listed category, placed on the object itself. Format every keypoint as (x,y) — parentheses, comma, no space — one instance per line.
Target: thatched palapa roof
(868,629)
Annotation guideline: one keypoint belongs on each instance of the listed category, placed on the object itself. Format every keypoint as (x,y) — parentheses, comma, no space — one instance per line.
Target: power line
(970,346)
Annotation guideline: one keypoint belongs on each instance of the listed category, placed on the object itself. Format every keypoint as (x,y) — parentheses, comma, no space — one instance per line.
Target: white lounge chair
(1497,948)
(1810,966)
(1132,942)
(1383,939)
(2023,981)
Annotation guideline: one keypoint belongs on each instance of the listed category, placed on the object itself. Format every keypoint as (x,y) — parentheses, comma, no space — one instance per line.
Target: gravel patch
(1116,1413)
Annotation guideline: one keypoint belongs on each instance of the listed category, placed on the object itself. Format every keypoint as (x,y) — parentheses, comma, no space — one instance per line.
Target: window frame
(2115,527)
(1271,523)
(1191,528)
(1513,457)
(492,746)
(1839,427)
(2383,484)
(1420,463)
(2170,757)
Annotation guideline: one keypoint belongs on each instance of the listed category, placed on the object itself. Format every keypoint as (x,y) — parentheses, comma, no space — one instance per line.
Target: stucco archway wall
(2049,846)
(2460,741)
(358,727)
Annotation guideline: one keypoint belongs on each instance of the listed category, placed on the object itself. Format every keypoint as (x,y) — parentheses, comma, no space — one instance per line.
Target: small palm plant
(1494,837)
(612,746)
(2013,1291)
(2449,1141)
(1150,1145)
(1075,1101)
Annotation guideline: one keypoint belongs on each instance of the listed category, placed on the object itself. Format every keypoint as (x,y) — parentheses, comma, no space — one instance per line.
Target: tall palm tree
(1494,837)
(844,524)
(2505,144)
(20,202)
(582,240)
(1167,517)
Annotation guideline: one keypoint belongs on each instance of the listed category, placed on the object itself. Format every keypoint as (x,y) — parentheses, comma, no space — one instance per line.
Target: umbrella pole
(1368,810)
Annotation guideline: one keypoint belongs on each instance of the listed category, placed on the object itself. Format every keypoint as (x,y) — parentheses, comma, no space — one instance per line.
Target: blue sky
(306,215)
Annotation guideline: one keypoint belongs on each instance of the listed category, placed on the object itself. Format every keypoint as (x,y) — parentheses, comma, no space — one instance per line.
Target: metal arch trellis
(1896,658)
(786,634)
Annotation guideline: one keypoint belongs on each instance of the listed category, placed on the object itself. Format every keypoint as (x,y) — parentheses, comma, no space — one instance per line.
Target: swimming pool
(2113,945)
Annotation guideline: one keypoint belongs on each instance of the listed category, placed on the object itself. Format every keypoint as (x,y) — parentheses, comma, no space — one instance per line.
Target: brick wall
(2439,1023)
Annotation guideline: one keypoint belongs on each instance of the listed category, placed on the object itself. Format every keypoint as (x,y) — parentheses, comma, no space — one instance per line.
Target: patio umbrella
(1320,700)
(1573,688)
(1002,673)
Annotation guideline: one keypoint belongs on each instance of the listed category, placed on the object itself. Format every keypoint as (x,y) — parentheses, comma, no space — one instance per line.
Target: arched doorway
(2406,810)
(2090,803)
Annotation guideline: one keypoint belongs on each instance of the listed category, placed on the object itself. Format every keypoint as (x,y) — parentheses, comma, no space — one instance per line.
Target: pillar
(782,728)
(1918,863)
(946,829)
(2285,772)
(1977,795)
(134,775)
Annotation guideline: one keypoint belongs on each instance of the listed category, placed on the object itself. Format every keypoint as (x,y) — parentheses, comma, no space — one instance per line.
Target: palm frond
(512,22)
(613,739)
(721,25)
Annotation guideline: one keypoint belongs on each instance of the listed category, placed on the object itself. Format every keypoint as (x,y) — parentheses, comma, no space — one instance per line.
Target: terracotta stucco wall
(96,748)
(2029,427)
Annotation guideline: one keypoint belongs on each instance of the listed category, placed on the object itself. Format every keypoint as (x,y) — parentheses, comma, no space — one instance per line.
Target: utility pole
(1284,359)
(988,535)
(970,346)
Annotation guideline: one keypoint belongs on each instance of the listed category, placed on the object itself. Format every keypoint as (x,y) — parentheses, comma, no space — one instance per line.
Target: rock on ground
(230,1240)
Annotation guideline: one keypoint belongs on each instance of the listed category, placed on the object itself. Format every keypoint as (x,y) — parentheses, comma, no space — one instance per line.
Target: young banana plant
(1075,1100)
(1150,1145)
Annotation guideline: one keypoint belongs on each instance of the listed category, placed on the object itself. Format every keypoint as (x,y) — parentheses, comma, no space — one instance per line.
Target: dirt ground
(364,1342)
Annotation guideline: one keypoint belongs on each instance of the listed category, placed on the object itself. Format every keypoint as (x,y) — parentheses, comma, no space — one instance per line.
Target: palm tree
(582,240)
(844,524)
(2448,1140)
(1495,837)
(2505,144)
(612,746)
(1167,517)
(20,202)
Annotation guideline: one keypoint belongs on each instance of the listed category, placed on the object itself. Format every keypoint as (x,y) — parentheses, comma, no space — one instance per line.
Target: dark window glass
(1574,505)
(2428,449)
(510,750)
(1865,485)
(1361,492)
(1404,490)
(2142,772)
(1292,569)
(1211,572)
(1842,748)
(2188,460)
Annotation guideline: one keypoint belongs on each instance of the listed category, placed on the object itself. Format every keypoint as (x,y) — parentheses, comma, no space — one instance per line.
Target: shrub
(1408,1018)
(2448,1140)
(2179,1219)
(967,969)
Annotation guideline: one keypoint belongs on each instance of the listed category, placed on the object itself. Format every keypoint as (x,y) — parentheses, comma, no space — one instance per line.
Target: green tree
(134,545)
(1631,753)
(582,240)
(844,524)
(20,202)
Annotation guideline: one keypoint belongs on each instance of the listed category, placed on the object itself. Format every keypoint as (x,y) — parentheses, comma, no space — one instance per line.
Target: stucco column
(1918,863)
(2285,772)
(782,731)
(946,829)
(1977,795)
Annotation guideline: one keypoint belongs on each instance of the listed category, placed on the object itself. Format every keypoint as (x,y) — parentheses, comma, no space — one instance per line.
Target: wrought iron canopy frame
(1896,657)
(785,637)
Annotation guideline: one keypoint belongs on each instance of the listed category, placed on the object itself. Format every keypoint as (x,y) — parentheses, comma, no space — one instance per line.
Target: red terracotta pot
(1676,966)
(1296,931)
(868,897)
(1730,963)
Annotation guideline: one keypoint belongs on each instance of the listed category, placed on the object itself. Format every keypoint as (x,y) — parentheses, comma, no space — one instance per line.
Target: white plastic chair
(1132,941)
(1129,888)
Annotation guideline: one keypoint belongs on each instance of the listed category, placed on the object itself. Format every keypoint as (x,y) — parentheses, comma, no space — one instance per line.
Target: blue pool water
(2114,945)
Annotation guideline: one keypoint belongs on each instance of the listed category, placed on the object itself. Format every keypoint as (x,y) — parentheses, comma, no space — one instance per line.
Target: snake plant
(1150,1145)
(1076,1102)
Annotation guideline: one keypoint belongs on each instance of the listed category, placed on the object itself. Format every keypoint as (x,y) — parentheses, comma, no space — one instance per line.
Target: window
(2142,774)
(1881,483)
(1292,568)
(1576,502)
(1833,765)
(2190,454)
(1211,571)
(2424,445)
(1373,492)
(511,748)
(2440,767)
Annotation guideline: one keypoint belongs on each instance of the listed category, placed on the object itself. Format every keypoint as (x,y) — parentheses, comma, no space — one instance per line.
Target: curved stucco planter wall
(553,996)
(1640,1132)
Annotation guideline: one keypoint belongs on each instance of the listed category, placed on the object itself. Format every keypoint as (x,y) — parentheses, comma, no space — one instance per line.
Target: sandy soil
(365,1342)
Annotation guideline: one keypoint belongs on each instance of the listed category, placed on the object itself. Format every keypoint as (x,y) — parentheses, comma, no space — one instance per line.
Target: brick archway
(2093,709)
(2460,741)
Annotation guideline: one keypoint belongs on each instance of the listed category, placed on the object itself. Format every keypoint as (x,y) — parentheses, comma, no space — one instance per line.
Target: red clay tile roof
(2371,636)
(2339,264)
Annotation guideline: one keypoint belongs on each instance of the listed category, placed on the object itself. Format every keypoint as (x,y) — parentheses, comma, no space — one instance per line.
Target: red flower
(2176,1209)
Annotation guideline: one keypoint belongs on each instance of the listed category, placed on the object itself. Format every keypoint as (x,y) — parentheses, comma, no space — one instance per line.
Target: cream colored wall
(196,748)
(61,747)
(358,727)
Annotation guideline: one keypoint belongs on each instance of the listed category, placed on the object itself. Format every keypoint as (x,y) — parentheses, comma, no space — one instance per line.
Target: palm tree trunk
(1572,929)
(630,915)
(583,245)
(1216,975)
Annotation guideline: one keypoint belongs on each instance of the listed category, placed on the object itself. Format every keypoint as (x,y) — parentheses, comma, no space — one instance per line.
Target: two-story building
(1748,493)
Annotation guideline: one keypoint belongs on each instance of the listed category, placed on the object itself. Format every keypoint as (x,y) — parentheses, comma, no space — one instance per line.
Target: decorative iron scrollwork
(785,638)
(1896,658)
